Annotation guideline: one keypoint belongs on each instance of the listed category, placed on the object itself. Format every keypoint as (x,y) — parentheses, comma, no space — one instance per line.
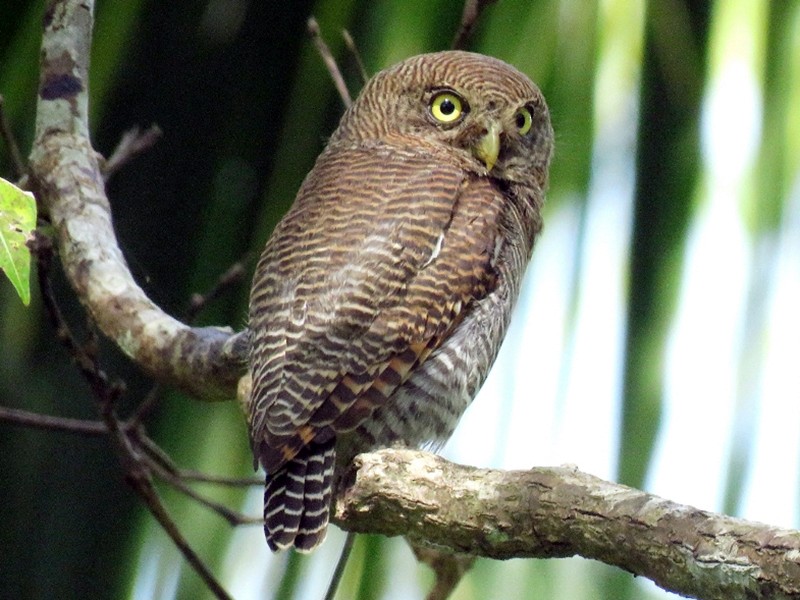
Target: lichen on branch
(67,179)
(552,512)
(559,512)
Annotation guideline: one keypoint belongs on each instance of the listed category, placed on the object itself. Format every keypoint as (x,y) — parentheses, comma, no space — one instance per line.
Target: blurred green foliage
(245,105)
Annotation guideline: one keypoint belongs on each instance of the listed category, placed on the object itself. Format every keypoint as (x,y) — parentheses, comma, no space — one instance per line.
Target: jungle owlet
(382,297)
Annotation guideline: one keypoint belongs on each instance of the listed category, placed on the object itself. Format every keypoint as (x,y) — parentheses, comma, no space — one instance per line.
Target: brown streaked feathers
(382,297)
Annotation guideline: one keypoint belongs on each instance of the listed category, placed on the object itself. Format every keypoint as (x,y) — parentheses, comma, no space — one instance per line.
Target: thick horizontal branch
(67,179)
(559,512)
(539,513)
(26,418)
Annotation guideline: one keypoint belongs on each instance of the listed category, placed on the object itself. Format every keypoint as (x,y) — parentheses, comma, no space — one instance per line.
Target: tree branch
(34,420)
(205,362)
(538,513)
(469,17)
(18,168)
(133,142)
(126,442)
(354,52)
(559,512)
(329,61)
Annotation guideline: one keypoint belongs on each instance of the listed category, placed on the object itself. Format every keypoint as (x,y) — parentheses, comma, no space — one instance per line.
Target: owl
(382,297)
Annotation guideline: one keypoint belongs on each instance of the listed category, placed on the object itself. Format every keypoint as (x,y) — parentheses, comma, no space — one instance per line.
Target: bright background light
(731,393)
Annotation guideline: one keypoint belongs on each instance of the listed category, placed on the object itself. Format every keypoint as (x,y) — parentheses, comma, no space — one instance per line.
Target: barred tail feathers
(297,499)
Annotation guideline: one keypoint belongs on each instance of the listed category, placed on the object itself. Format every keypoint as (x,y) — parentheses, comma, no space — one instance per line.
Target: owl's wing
(373,266)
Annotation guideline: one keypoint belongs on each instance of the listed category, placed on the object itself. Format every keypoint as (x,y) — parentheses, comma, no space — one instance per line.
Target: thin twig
(145,407)
(448,569)
(351,46)
(199,477)
(133,142)
(138,476)
(18,165)
(165,468)
(42,247)
(155,453)
(162,458)
(231,516)
(106,395)
(472,11)
(26,418)
(156,507)
(336,578)
(233,275)
(330,62)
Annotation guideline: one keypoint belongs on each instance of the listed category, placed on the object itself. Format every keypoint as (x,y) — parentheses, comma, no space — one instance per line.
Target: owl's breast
(381,300)
(426,408)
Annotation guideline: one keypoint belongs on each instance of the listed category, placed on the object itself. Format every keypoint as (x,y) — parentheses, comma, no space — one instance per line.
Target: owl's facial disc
(487,148)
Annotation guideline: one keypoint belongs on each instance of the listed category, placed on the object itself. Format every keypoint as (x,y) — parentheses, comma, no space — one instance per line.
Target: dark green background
(245,107)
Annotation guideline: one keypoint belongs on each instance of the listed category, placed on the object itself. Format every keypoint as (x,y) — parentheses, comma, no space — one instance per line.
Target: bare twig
(204,361)
(138,476)
(336,578)
(42,247)
(470,15)
(106,393)
(351,46)
(164,467)
(330,62)
(18,166)
(232,276)
(146,490)
(190,475)
(26,418)
(155,454)
(559,512)
(133,142)
(448,569)
(231,516)
(145,407)
(162,458)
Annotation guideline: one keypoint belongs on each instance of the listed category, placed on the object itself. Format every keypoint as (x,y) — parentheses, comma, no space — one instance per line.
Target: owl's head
(483,112)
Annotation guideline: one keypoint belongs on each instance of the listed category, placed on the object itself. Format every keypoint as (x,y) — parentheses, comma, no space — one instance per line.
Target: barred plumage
(382,297)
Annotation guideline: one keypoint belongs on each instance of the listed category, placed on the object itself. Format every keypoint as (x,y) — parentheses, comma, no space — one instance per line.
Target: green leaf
(17,221)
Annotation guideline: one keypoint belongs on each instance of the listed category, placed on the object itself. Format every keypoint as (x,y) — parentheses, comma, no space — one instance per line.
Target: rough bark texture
(558,512)
(66,177)
(539,513)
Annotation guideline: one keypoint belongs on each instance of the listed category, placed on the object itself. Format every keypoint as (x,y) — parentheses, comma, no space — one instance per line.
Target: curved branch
(538,513)
(559,512)
(203,361)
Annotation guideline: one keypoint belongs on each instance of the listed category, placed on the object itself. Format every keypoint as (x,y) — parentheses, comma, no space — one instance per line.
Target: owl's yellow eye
(446,107)
(523,120)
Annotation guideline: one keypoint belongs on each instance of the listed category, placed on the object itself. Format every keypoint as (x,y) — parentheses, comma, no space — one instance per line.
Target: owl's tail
(297,499)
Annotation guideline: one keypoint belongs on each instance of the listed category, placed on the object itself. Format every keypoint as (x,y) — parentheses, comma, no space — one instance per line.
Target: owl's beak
(487,148)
